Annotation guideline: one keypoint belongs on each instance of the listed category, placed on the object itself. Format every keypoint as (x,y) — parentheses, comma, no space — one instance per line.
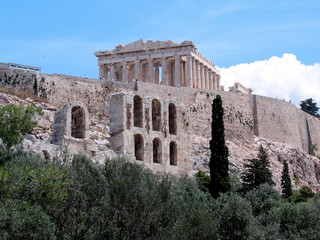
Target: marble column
(177,71)
(189,71)
(204,77)
(203,86)
(198,85)
(112,72)
(194,73)
(164,72)
(156,75)
(214,84)
(151,70)
(210,80)
(102,71)
(207,78)
(218,82)
(137,70)
(124,72)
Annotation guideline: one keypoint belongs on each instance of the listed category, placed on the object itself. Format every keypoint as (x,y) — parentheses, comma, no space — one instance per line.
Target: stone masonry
(72,121)
(154,131)
(160,62)
(245,115)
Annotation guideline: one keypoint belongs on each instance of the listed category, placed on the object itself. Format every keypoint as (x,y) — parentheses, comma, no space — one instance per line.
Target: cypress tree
(286,181)
(219,164)
(257,172)
(266,175)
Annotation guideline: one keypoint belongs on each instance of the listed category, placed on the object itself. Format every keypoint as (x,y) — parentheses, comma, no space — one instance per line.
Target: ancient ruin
(151,130)
(160,62)
(162,118)
(72,120)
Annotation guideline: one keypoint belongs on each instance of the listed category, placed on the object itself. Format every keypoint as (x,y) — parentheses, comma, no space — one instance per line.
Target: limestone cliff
(304,169)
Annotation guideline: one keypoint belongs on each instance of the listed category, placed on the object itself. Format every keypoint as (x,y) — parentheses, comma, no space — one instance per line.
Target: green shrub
(233,216)
(16,121)
(203,180)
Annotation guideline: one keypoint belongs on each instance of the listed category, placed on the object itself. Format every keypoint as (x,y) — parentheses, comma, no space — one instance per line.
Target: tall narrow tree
(219,164)
(286,181)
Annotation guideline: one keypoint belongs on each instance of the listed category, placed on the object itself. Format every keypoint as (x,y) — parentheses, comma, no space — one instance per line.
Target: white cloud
(282,77)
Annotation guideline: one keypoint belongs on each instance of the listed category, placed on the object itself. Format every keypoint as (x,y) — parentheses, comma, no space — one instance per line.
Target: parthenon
(160,62)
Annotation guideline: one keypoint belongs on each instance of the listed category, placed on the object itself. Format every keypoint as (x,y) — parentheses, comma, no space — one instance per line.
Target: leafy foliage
(302,195)
(299,221)
(151,206)
(265,201)
(219,164)
(203,180)
(16,121)
(234,219)
(309,106)
(77,199)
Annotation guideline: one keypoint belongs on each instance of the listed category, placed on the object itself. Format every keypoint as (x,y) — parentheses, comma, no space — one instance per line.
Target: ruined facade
(160,131)
(152,131)
(160,62)
(71,120)
(238,87)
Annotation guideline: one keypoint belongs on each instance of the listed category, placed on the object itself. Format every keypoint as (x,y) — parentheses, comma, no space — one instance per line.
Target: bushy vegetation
(72,198)
(77,199)
(16,121)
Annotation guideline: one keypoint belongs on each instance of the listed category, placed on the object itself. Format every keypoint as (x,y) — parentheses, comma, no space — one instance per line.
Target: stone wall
(245,114)
(152,131)
(72,120)
(281,121)
(18,79)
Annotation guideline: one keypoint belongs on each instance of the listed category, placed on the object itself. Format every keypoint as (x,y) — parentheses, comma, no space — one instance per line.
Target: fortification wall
(282,121)
(18,79)
(245,114)
(238,115)
(278,120)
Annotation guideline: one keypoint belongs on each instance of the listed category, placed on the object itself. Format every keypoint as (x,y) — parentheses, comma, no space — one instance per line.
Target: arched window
(173,153)
(138,147)
(78,123)
(137,111)
(156,115)
(157,150)
(172,119)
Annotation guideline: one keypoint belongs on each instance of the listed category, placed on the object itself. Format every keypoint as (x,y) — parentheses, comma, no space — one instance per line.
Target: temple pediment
(140,45)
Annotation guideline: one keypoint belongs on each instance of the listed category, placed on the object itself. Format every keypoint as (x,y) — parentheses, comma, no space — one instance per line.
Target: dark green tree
(219,164)
(257,172)
(203,180)
(310,107)
(286,181)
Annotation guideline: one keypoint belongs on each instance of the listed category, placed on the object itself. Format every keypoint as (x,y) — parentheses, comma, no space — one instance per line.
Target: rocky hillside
(39,140)
(304,169)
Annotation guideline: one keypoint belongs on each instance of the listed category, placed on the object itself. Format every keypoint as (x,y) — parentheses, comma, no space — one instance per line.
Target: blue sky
(61,36)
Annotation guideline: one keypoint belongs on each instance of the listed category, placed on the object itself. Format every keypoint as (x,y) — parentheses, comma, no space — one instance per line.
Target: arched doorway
(157,150)
(172,119)
(78,123)
(138,147)
(137,111)
(156,115)
(173,153)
